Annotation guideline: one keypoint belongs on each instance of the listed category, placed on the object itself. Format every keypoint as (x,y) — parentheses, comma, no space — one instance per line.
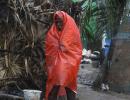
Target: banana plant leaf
(74,1)
(90,24)
(84,40)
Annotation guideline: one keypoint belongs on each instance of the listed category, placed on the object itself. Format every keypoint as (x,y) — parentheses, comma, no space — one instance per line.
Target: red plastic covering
(63,54)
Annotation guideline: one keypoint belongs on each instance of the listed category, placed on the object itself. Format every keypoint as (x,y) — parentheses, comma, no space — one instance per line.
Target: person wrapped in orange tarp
(63,50)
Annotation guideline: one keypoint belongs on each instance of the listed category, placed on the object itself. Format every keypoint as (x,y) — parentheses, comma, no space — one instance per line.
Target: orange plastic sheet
(63,51)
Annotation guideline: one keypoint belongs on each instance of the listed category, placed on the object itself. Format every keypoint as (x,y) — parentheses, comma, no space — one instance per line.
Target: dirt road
(86,93)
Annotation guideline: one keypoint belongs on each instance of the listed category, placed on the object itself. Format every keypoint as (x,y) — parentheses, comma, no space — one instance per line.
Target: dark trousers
(54,92)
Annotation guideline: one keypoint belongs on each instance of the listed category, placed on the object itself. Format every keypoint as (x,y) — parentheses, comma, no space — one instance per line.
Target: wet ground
(87,75)
(87,93)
